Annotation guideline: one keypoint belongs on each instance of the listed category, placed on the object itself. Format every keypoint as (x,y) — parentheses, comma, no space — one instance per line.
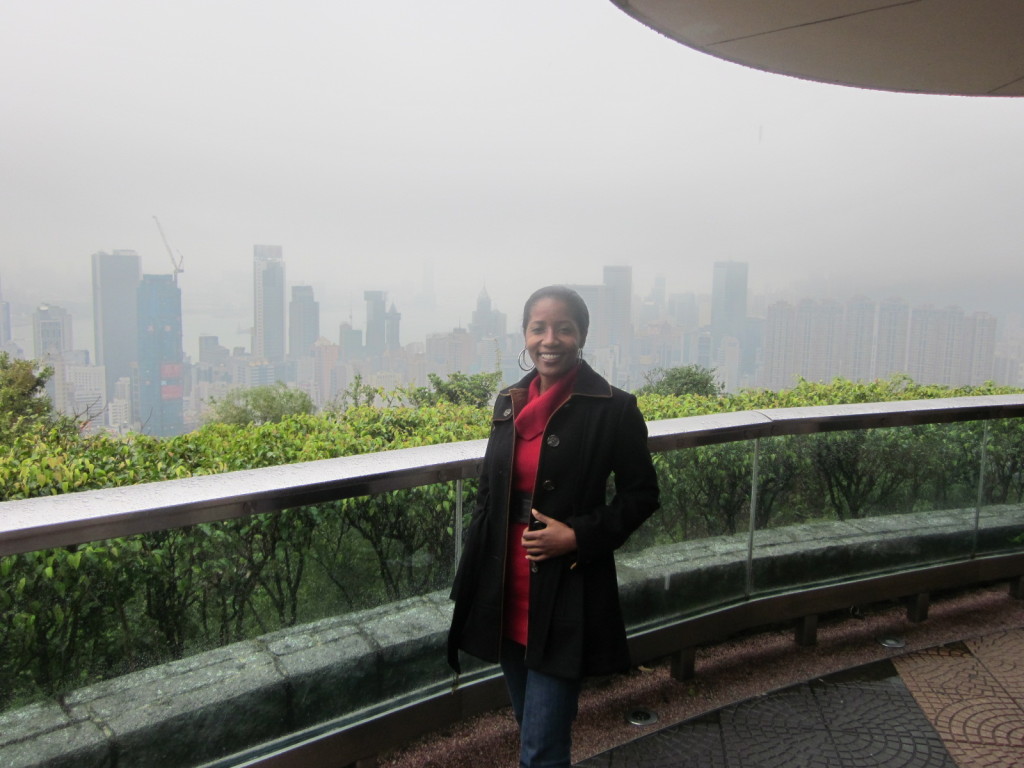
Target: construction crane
(175,262)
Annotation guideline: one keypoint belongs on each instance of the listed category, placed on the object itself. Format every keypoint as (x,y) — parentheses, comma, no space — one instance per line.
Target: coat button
(507,412)
(547,485)
(553,441)
(534,567)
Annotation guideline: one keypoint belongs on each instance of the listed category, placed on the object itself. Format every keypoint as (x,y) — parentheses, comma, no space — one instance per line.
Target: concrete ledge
(213,704)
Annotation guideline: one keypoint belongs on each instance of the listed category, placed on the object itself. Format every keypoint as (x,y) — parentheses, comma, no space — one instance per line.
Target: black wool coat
(575,620)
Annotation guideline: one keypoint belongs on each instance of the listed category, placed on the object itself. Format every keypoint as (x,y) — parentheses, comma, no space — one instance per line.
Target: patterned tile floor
(954,706)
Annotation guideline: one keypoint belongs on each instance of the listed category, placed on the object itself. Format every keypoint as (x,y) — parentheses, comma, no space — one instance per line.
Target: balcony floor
(953,696)
(956,705)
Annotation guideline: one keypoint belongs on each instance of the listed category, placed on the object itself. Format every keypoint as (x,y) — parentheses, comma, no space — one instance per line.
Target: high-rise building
(376,322)
(268,304)
(936,345)
(728,301)
(858,342)
(115,283)
(778,367)
(392,323)
(86,393)
(818,335)
(733,347)
(303,322)
(211,352)
(350,343)
(891,338)
(325,364)
(51,332)
(682,310)
(487,322)
(53,344)
(160,381)
(618,308)
(979,349)
(801,341)
(599,335)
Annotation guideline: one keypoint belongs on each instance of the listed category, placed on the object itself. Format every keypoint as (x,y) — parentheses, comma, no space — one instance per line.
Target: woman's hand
(554,539)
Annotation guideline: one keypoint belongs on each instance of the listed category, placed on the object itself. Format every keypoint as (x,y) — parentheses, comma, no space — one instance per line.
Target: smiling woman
(536,589)
(555,324)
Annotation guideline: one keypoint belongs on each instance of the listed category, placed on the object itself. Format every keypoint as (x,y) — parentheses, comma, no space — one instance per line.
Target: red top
(530,424)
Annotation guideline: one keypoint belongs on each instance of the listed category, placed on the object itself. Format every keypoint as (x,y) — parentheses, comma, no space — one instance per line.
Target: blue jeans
(545,708)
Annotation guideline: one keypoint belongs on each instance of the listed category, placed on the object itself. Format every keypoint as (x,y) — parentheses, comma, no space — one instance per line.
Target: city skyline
(238,327)
(631,335)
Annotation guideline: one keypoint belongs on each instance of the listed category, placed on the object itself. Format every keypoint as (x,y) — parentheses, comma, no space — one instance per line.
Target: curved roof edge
(951,47)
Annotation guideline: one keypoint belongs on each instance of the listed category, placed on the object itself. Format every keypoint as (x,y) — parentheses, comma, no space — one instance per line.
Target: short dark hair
(577,306)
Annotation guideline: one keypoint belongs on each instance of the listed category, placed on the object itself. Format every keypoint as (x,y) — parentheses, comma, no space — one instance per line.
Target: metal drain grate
(892,642)
(641,716)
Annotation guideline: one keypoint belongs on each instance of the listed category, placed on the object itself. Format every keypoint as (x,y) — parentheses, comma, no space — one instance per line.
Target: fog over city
(455,145)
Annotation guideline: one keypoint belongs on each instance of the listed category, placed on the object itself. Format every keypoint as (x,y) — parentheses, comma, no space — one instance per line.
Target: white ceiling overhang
(963,47)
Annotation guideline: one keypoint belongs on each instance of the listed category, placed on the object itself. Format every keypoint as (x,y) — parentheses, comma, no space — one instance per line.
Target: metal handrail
(56,521)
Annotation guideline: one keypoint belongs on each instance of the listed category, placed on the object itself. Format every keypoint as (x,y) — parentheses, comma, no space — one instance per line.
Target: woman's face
(553,340)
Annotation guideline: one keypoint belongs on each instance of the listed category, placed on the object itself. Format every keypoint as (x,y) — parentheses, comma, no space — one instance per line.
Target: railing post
(684,664)
(753,517)
(458,524)
(806,631)
(981,489)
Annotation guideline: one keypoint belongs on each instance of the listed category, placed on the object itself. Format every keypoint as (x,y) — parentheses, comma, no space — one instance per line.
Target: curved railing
(680,590)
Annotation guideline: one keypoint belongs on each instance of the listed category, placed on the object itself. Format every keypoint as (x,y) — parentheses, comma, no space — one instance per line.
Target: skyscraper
(728,301)
(487,322)
(303,322)
(376,322)
(618,308)
(779,366)
(115,283)
(268,303)
(734,344)
(350,343)
(160,377)
(392,322)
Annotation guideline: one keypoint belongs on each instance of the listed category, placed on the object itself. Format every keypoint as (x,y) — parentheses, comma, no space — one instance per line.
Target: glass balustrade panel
(690,556)
(840,505)
(1001,495)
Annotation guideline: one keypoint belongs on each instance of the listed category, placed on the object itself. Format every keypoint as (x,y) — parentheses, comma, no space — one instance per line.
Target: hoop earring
(579,355)
(522,361)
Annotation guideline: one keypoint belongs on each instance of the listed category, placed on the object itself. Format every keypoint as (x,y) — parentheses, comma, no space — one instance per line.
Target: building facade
(160,377)
(268,340)
(303,322)
(115,283)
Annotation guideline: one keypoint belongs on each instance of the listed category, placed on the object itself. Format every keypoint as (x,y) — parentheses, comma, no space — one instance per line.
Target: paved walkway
(959,705)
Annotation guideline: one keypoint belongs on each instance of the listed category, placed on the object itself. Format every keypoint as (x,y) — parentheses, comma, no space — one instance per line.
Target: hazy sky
(505,145)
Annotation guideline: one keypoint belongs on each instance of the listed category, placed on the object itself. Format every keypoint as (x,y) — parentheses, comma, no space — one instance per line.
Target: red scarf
(530,423)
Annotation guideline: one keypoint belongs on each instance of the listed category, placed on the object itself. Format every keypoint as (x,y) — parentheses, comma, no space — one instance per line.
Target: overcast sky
(505,145)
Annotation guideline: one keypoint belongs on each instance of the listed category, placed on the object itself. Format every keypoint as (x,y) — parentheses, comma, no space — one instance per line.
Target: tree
(260,405)
(23,399)
(684,380)
(460,389)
